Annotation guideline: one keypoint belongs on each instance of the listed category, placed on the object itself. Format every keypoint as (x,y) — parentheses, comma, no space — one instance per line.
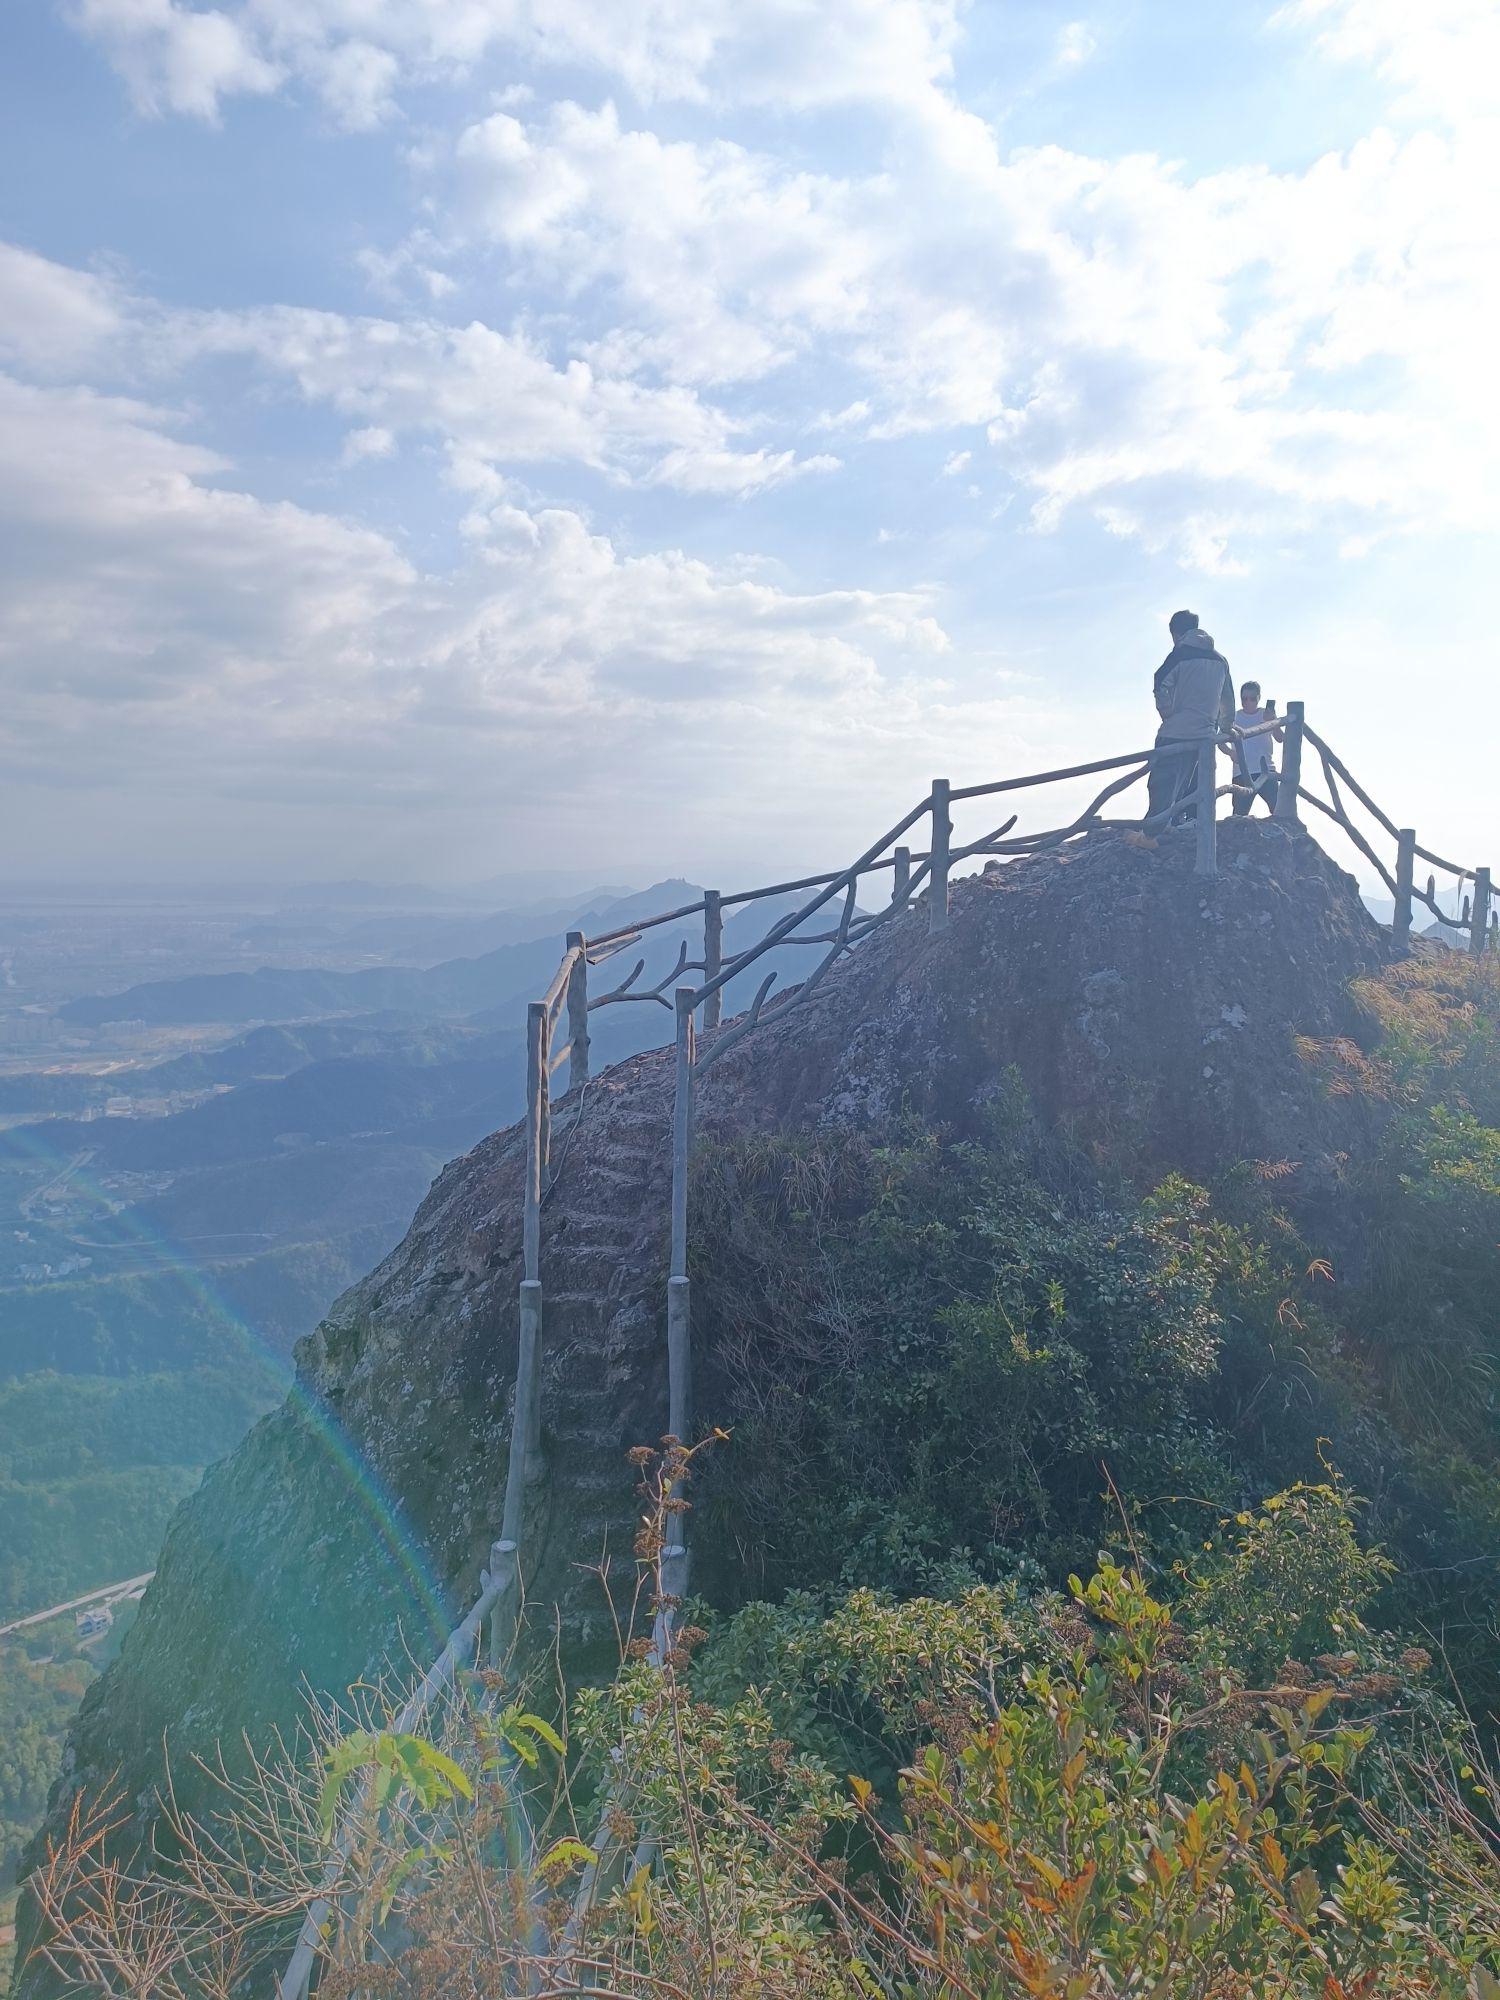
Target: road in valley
(109,1593)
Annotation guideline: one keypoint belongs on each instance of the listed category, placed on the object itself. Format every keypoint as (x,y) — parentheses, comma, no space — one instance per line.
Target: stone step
(656,1121)
(580,1266)
(616,1483)
(615,1230)
(607,1166)
(602,1440)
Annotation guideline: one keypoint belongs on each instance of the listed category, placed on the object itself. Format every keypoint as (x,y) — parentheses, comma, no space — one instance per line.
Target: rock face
(1153,1014)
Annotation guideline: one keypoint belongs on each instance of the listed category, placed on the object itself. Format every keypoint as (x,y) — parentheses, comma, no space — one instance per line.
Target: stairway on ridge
(606,1209)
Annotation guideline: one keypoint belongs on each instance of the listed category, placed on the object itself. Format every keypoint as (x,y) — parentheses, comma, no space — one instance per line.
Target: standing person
(1256,777)
(1194,698)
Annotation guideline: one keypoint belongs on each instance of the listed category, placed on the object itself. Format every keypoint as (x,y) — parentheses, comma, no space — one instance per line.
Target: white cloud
(1124,331)
(721,260)
(785,53)
(54,320)
(1076,43)
(1442,57)
(491,398)
(164,632)
(1134,340)
(135,589)
(736,472)
(176,58)
(371,441)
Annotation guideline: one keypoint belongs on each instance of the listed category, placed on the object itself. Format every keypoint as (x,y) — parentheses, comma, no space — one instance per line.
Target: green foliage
(860,1682)
(1430,1195)
(37,1701)
(1438,1026)
(1092,1804)
(91,1469)
(941,1360)
(947,1351)
(388,1762)
(722,1874)
(1291,1584)
(1009,1795)
(1051,1856)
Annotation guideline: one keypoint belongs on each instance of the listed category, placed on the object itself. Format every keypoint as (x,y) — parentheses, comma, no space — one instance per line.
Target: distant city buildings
(27,1029)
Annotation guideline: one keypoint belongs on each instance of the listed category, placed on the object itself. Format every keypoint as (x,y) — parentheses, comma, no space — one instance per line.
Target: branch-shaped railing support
(626,988)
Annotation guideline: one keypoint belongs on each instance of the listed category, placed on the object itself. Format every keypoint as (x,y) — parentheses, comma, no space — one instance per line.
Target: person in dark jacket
(1195,699)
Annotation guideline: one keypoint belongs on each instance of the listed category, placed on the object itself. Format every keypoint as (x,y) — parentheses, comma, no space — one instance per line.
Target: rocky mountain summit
(1154,1016)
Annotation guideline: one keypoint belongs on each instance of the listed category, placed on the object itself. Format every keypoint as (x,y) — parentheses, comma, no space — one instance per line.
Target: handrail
(700,1006)
(651,923)
(1053,777)
(460,1645)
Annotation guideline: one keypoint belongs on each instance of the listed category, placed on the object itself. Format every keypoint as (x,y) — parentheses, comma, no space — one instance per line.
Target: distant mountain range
(441,1084)
(449,990)
(258,1053)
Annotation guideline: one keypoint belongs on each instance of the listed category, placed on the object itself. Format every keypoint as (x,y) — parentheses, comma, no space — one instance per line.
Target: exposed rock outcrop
(1153,1014)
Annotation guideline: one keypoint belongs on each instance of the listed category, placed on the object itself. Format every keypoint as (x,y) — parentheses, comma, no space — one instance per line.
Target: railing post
(1406,857)
(1207,862)
(578,1012)
(942,837)
(528,1421)
(504,1571)
(1291,765)
(1479,914)
(713,957)
(901,875)
(679,1290)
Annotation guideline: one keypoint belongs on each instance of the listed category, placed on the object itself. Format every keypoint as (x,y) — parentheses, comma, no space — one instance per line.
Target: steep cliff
(1155,1017)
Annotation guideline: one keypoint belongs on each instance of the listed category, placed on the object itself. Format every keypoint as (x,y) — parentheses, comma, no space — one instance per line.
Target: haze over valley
(217,1110)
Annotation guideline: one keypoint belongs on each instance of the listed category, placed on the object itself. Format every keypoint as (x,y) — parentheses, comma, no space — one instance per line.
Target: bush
(1291,1584)
(1099,1811)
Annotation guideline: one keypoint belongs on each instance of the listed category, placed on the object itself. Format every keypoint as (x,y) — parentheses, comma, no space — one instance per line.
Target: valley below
(215,1116)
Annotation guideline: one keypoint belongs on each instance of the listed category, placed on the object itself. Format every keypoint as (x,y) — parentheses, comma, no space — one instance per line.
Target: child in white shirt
(1256,776)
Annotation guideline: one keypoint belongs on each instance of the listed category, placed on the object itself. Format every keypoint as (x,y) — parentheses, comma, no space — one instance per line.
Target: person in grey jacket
(1194,698)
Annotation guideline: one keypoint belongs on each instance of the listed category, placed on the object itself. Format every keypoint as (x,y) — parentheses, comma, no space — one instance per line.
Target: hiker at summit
(1195,699)
(1255,775)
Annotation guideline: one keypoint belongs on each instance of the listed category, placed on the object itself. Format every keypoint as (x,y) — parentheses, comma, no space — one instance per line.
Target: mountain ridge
(1146,1013)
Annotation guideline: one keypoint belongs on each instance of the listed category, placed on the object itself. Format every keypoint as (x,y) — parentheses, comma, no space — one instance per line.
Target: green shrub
(936,1353)
(1291,1584)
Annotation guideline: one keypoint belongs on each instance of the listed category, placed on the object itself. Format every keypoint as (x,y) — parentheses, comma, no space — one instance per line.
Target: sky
(441,438)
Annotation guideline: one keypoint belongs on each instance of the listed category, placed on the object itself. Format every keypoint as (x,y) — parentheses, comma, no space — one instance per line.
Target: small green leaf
(568,1854)
(397,1876)
(538,1727)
